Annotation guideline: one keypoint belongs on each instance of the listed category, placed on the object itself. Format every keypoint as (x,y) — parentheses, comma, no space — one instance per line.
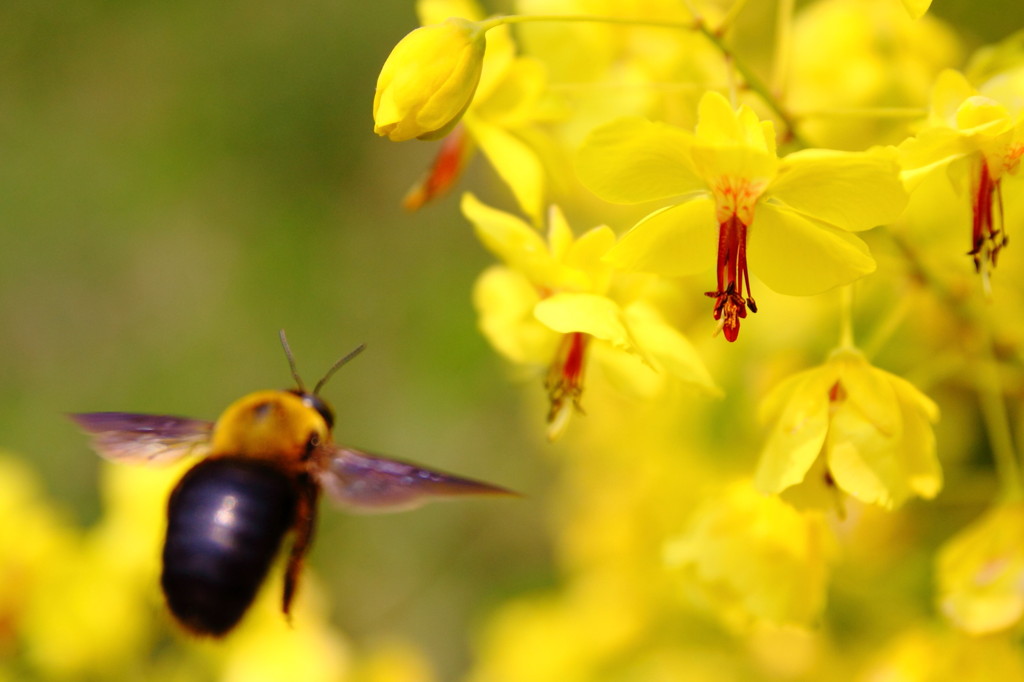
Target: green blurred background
(178,181)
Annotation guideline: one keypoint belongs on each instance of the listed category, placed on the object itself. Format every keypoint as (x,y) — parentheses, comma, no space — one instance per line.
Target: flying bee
(263,465)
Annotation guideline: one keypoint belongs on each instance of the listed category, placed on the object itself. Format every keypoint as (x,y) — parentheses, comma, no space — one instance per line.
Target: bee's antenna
(336,366)
(291,362)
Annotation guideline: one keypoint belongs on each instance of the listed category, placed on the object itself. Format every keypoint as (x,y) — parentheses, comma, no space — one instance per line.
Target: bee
(262,467)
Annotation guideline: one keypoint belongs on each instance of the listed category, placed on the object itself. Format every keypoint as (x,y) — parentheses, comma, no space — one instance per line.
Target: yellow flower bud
(428,80)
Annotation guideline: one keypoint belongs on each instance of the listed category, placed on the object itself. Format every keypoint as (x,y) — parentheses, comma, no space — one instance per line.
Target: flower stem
(883,331)
(508,19)
(997,424)
(865,112)
(730,17)
(783,41)
(754,84)
(714,36)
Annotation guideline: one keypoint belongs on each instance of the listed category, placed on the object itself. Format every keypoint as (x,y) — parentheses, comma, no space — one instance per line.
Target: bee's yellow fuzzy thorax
(273,425)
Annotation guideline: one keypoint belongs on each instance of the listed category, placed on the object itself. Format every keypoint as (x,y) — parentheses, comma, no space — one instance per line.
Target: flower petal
(850,190)
(719,125)
(588,313)
(868,390)
(799,431)
(862,460)
(633,160)
(920,462)
(795,255)
(514,161)
(505,299)
(950,90)
(560,238)
(933,148)
(677,240)
(739,165)
(587,255)
(509,238)
(668,348)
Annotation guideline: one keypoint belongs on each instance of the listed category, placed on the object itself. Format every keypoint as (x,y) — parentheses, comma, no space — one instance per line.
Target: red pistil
(565,377)
(733,294)
(988,234)
(444,172)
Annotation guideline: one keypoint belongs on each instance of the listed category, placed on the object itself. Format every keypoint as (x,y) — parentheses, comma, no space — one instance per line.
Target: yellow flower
(852,426)
(754,556)
(428,80)
(978,135)
(553,298)
(500,122)
(793,216)
(981,572)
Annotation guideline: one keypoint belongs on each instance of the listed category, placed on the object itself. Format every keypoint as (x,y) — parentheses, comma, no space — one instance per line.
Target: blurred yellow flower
(428,80)
(736,196)
(392,660)
(554,297)
(849,425)
(267,648)
(980,572)
(572,636)
(34,539)
(86,619)
(753,557)
(100,604)
(928,654)
(978,136)
(859,69)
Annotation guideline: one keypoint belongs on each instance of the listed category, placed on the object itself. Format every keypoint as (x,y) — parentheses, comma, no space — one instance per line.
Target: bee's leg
(305,521)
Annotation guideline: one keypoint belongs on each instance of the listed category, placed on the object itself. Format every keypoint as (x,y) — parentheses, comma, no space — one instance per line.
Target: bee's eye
(311,444)
(319,405)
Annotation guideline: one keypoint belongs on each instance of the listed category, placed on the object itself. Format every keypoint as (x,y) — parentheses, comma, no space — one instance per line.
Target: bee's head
(315,402)
(276,425)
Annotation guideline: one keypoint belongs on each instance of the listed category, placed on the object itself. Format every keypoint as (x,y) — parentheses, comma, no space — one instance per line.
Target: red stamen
(565,377)
(988,235)
(733,295)
(837,393)
(444,172)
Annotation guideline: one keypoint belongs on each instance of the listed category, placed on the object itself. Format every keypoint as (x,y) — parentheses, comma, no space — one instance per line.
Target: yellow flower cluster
(783,504)
(691,543)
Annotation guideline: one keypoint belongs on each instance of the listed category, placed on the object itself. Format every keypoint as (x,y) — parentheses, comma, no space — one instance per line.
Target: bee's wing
(144,438)
(369,483)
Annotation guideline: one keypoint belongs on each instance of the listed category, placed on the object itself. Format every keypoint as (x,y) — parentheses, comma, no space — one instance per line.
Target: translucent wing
(144,438)
(368,483)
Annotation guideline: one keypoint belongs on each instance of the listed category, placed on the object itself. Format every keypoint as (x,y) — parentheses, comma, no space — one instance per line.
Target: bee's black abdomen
(225,522)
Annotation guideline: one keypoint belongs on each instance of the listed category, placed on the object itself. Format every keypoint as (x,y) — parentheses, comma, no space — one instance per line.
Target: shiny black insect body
(226,520)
